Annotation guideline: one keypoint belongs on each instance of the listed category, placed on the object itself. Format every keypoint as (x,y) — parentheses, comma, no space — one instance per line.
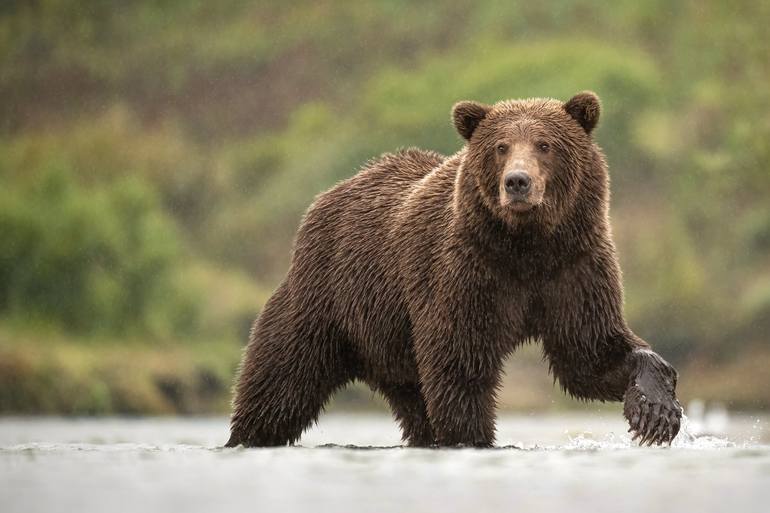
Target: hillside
(155,160)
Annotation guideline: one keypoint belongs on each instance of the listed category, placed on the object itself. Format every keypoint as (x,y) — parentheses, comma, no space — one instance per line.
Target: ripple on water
(169,465)
(579,443)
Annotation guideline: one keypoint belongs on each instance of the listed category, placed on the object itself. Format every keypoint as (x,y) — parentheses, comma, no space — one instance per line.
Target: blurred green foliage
(156,158)
(89,260)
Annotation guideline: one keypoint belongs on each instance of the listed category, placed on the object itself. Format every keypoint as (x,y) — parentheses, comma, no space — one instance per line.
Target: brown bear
(421,273)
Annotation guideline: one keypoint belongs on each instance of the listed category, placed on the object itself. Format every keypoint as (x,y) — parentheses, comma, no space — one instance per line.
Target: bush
(91,260)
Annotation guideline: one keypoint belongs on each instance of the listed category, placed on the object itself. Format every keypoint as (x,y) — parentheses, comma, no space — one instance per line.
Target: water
(354,463)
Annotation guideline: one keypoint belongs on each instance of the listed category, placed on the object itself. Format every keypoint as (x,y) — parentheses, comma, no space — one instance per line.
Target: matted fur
(413,278)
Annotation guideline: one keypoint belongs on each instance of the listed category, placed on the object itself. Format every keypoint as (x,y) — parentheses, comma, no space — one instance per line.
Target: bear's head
(528,159)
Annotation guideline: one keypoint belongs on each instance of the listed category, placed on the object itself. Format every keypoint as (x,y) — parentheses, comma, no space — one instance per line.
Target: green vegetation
(155,160)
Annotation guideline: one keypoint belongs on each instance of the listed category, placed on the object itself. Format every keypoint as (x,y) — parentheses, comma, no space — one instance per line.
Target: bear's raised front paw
(651,421)
(650,403)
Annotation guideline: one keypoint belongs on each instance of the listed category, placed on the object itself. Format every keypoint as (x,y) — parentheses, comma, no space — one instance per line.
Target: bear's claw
(658,424)
(651,407)
(652,424)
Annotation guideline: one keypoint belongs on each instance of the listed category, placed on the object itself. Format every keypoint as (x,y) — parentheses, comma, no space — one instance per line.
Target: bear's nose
(517,182)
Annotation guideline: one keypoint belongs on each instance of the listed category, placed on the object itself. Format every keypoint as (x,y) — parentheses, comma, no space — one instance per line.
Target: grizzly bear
(421,273)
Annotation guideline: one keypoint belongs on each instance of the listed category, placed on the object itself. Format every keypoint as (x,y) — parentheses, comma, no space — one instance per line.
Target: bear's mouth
(520,205)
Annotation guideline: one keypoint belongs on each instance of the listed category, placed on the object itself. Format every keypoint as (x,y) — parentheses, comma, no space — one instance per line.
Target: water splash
(582,442)
(689,437)
(689,440)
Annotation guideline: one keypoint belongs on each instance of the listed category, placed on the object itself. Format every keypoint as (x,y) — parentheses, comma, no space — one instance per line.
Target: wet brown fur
(414,278)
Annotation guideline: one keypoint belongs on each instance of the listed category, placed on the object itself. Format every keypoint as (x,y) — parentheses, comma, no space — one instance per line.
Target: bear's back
(393,175)
(373,194)
(346,255)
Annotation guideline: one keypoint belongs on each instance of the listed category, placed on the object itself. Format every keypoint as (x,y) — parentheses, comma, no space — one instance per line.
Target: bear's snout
(517,183)
(521,183)
(521,189)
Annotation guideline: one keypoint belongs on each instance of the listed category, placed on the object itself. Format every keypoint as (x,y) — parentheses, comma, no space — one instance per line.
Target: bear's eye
(543,146)
(502,148)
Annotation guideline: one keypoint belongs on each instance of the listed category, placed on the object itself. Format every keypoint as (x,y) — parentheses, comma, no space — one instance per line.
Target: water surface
(355,463)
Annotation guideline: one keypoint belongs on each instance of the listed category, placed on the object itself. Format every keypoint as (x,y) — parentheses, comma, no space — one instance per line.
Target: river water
(355,463)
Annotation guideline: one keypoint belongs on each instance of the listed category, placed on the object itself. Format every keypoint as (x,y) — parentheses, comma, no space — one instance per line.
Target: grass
(48,373)
(79,377)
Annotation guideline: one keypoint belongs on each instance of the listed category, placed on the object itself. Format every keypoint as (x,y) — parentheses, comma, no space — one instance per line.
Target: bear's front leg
(461,337)
(595,355)
(650,403)
(622,367)
(460,398)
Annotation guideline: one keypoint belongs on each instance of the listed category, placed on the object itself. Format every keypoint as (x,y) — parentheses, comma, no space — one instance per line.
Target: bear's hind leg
(288,373)
(279,395)
(409,410)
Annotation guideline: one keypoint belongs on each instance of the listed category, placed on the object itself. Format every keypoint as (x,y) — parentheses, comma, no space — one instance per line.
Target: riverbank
(49,373)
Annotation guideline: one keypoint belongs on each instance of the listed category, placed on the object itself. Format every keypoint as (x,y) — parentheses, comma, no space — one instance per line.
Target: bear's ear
(467,116)
(585,108)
